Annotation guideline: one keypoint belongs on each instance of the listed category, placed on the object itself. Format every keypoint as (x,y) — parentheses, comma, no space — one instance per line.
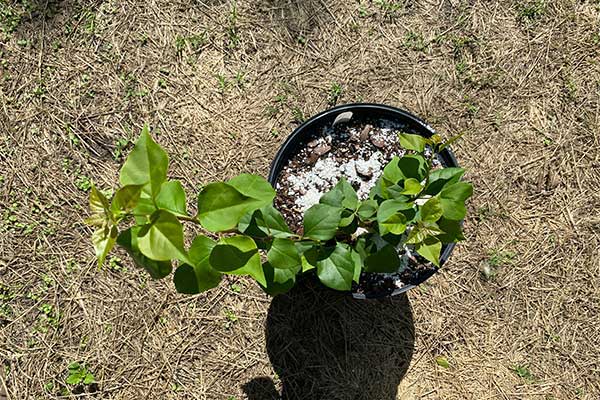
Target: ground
(515,314)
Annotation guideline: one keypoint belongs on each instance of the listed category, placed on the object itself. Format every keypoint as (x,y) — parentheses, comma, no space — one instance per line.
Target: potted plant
(368,200)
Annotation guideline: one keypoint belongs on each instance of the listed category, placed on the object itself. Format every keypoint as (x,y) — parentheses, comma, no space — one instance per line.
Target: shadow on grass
(325,345)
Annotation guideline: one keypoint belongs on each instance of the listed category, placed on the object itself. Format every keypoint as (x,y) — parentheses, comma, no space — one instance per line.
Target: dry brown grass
(523,84)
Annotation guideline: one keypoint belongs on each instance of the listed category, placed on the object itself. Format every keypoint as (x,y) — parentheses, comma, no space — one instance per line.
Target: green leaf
(442,177)
(221,206)
(253,186)
(358,265)
(283,254)
(341,195)
(146,165)
(367,210)
(98,203)
(172,198)
(384,260)
(126,198)
(89,379)
(422,230)
(321,221)
(391,216)
(413,166)
(200,276)
(453,199)
(128,240)
(411,186)
(412,142)
(442,362)
(279,280)
(452,231)
(241,252)
(430,248)
(104,239)
(450,141)
(431,211)
(162,238)
(337,270)
(73,379)
(265,222)
(74,367)
(392,173)
(144,209)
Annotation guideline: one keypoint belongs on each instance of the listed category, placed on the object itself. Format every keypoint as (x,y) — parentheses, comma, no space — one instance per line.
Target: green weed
(531,10)
(79,374)
(415,41)
(523,372)
(335,92)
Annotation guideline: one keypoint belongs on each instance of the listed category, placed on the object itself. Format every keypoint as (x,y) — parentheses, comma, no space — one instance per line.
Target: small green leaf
(223,257)
(430,248)
(74,367)
(172,198)
(321,221)
(253,186)
(73,379)
(431,211)
(442,362)
(337,270)
(221,206)
(104,239)
(162,238)
(358,266)
(385,260)
(412,142)
(146,165)
(392,216)
(367,210)
(341,195)
(422,230)
(411,187)
(450,141)
(128,239)
(126,198)
(453,197)
(265,222)
(283,254)
(98,203)
(396,225)
(442,177)
(89,379)
(200,276)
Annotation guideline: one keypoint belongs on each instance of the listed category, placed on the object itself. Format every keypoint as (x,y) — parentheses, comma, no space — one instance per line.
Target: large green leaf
(358,266)
(144,209)
(126,198)
(412,142)
(238,255)
(452,200)
(266,221)
(253,186)
(200,276)
(104,240)
(422,231)
(413,166)
(278,280)
(162,238)
(367,210)
(430,248)
(221,206)
(341,195)
(432,210)
(321,221)
(128,239)
(392,173)
(283,254)
(442,177)
(337,270)
(172,198)
(452,231)
(146,165)
(393,216)
(384,260)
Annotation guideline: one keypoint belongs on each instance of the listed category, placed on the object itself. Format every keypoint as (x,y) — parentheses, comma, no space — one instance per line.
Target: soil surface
(358,152)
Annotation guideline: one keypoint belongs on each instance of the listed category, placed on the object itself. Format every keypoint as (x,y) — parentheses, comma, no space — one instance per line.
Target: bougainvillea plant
(412,205)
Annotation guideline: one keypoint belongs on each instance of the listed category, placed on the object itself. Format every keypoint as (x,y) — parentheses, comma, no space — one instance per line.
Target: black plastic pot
(356,113)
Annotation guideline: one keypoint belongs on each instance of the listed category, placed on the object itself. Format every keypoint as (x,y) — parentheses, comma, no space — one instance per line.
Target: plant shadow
(326,345)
